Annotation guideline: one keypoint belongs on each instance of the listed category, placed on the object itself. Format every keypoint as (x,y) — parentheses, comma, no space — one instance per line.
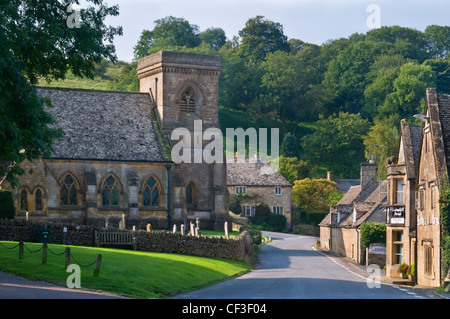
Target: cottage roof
(254,174)
(366,202)
(103,125)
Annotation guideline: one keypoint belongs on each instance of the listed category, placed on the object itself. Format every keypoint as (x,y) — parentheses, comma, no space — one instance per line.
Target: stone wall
(238,248)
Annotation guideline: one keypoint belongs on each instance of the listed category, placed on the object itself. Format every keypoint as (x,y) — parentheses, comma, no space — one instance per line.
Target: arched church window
(38,200)
(188,101)
(24,199)
(68,192)
(189,194)
(110,192)
(151,192)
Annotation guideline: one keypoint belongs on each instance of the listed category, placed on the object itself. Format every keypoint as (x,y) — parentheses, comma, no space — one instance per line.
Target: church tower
(184,88)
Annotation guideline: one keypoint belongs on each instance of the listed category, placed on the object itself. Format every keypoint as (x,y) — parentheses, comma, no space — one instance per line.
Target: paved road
(290,268)
(13,287)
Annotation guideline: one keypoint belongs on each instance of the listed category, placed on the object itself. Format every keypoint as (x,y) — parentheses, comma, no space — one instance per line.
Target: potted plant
(403,270)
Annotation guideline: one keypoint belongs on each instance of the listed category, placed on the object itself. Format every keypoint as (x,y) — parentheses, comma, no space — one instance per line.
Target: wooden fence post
(44,253)
(97,266)
(67,261)
(21,249)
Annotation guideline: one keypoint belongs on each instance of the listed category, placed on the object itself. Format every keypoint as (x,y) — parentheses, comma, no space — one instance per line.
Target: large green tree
(43,39)
(261,36)
(337,143)
(168,32)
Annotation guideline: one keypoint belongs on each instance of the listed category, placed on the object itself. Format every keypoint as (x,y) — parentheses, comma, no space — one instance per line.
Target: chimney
(329,176)
(368,173)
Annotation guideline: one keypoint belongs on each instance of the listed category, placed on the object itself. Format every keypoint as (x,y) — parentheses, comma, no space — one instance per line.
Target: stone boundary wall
(237,248)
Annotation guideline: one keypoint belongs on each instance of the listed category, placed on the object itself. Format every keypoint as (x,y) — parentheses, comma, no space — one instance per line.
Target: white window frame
(399,191)
(278,190)
(240,190)
(278,210)
(248,210)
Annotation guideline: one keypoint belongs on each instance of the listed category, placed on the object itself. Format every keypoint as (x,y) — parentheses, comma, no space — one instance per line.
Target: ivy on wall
(444,211)
(373,233)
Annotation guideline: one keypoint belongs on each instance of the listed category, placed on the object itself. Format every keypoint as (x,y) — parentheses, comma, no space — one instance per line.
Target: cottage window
(151,192)
(248,210)
(421,199)
(110,192)
(399,186)
(398,246)
(240,190)
(277,190)
(428,254)
(24,199)
(278,210)
(68,192)
(432,195)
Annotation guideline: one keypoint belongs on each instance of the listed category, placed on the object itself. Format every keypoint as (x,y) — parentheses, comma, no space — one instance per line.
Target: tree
(38,43)
(215,37)
(289,146)
(261,36)
(381,142)
(292,169)
(313,194)
(168,32)
(337,142)
(407,97)
(438,40)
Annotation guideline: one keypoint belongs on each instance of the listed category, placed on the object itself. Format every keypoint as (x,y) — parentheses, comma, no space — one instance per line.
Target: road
(290,268)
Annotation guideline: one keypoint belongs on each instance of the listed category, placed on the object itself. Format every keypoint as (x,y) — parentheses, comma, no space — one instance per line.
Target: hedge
(373,233)
(6,204)
(315,217)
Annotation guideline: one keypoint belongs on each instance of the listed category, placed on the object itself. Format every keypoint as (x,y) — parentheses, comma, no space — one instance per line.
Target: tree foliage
(313,194)
(37,42)
(373,233)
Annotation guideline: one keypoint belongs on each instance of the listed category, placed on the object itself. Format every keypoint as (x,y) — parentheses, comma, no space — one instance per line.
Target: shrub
(266,220)
(403,269)
(372,233)
(6,204)
(314,218)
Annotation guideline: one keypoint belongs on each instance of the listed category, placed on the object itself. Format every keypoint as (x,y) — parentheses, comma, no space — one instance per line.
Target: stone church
(114,160)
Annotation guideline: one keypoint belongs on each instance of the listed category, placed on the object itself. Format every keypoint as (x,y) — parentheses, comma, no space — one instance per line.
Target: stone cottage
(114,159)
(401,210)
(432,174)
(340,229)
(261,184)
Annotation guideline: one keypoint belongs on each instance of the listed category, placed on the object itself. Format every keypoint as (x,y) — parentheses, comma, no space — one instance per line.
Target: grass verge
(129,273)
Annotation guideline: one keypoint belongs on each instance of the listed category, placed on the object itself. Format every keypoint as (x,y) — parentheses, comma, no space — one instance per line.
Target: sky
(313,21)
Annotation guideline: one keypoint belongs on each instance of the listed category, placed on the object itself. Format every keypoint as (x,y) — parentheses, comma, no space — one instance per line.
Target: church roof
(103,125)
(254,174)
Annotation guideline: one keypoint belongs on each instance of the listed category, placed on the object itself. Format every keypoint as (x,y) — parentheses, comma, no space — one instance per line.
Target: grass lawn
(125,272)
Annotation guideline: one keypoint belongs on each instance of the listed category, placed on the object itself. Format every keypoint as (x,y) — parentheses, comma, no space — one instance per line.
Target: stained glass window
(23,200)
(151,193)
(68,193)
(110,192)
